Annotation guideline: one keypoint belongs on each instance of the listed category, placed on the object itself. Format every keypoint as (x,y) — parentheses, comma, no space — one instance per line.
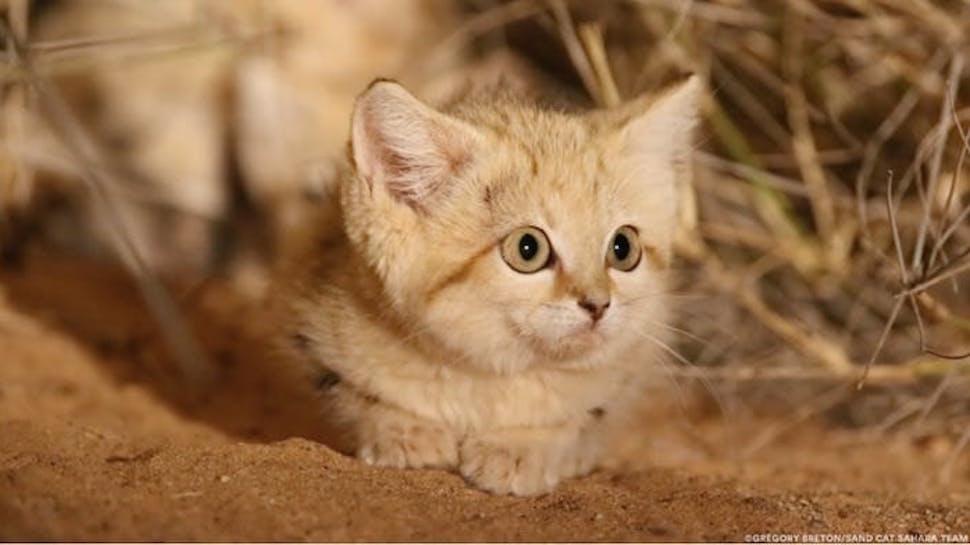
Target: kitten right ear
(406,147)
(663,128)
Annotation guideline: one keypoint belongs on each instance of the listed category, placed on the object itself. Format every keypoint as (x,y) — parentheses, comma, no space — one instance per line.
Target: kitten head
(514,237)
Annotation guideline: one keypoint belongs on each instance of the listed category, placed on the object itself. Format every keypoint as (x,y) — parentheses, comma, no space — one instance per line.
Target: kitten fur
(431,350)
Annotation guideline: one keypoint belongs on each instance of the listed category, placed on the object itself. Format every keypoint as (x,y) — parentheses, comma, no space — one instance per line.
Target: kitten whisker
(708,385)
(681,331)
(666,348)
(663,294)
(671,376)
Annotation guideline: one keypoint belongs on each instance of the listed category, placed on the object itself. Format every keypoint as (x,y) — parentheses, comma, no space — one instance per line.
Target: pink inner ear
(393,165)
(405,181)
(424,173)
(409,149)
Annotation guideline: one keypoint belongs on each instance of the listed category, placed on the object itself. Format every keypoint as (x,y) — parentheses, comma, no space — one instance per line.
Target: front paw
(403,441)
(523,462)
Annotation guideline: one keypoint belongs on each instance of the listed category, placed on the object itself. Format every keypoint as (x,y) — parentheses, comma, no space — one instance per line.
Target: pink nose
(595,308)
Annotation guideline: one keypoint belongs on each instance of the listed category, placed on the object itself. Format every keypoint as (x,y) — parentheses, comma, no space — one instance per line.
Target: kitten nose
(595,307)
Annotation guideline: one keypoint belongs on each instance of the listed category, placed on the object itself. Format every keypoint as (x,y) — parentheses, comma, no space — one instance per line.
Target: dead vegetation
(826,234)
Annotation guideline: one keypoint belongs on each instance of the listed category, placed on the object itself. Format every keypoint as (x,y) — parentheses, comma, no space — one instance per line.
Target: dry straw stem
(493,18)
(821,350)
(944,231)
(16,176)
(78,56)
(803,141)
(772,207)
(195,368)
(947,470)
(920,276)
(591,35)
(578,56)
(922,367)
(820,404)
(874,146)
(945,124)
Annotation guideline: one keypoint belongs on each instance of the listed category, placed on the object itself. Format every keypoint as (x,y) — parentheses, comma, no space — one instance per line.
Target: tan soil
(98,441)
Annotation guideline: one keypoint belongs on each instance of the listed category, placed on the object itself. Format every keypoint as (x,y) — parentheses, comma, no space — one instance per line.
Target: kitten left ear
(411,150)
(663,127)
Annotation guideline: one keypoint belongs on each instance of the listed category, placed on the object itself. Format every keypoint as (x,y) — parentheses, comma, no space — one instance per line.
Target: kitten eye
(526,249)
(624,252)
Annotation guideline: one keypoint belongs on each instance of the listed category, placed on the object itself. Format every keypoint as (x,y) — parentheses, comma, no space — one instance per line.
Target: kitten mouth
(582,338)
(568,343)
(590,328)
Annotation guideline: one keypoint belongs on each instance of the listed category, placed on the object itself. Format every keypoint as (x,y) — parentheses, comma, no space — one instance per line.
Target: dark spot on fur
(654,256)
(312,195)
(488,196)
(327,379)
(12,256)
(328,243)
(15,233)
(225,358)
(371,398)
(301,342)
(597,412)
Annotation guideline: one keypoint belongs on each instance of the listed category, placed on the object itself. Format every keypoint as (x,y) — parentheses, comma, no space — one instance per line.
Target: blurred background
(824,249)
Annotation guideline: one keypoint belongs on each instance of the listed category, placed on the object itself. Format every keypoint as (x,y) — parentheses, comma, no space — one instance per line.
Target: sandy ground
(100,441)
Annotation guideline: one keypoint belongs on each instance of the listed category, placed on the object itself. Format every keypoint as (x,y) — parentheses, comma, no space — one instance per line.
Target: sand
(99,440)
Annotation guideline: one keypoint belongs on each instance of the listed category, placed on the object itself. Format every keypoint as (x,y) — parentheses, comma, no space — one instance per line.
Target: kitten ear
(408,148)
(663,126)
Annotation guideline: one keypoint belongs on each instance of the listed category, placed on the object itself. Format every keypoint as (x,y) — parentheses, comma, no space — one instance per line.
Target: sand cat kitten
(493,289)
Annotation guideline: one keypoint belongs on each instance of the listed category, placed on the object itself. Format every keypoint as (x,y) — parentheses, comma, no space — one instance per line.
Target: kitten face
(517,238)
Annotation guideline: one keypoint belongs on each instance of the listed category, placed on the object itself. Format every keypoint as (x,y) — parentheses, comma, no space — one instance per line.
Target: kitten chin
(492,292)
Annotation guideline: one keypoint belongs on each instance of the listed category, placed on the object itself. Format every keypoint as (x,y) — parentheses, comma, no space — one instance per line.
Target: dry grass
(828,217)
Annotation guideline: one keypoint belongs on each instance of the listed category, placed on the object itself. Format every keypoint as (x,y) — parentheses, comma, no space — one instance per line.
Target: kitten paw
(525,462)
(405,442)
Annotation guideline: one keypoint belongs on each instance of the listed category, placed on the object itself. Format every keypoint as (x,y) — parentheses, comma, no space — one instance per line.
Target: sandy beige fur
(431,350)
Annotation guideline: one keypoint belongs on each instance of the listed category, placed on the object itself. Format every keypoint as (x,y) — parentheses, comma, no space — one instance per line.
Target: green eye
(526,249)
(624,251)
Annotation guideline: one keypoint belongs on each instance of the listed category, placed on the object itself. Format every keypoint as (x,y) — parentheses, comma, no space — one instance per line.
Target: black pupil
(621,247)
(528,247)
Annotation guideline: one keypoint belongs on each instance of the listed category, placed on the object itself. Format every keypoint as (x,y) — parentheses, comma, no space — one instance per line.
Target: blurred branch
(578,56)
(803,142)
(591,36)
(818,349)
(71,56)
(16,177)
(195,369)
(945,123)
